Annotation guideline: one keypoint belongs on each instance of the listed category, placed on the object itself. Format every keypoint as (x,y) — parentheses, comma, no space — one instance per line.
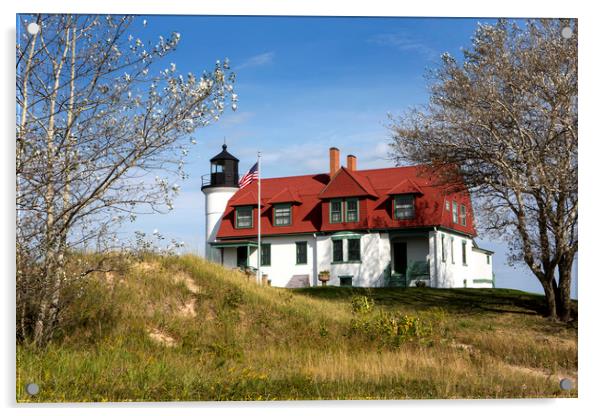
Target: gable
(347,184)
(248,197)
(406,186)
(285,195)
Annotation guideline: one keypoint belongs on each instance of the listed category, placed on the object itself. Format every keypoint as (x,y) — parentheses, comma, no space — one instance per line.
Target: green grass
(218,336)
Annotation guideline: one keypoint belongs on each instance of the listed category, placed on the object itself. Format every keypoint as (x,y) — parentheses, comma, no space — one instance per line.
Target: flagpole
(259,217)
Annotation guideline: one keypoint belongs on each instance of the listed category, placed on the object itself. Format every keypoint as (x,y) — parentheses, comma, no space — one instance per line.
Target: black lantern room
(224,170)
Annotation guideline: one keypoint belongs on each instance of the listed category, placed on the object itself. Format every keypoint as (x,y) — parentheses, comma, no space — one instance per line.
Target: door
(241,256)
(400,258)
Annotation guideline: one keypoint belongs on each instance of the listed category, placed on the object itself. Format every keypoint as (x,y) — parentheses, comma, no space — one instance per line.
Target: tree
(96,117)
(504,121)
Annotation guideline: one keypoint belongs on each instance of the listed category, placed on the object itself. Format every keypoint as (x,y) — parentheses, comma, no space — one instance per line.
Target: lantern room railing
(206,180)
(219,179)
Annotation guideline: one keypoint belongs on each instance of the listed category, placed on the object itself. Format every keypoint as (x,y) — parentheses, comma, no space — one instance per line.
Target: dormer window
(455,212)
(344,210)
(463,214)
(336,211)
(282,215)
(351,210)
(403,207)
(244,217)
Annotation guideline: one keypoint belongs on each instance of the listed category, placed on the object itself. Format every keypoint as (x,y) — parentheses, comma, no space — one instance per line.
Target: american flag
(249,177)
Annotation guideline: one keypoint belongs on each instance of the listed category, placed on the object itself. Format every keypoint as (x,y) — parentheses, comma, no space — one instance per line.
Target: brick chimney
(334,161)
(351,162)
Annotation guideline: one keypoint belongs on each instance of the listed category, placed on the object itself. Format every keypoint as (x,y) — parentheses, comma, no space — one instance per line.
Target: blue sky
(306,84)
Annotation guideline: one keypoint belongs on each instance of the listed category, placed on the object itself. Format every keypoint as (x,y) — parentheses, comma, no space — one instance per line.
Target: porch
(410,259)
(237,254)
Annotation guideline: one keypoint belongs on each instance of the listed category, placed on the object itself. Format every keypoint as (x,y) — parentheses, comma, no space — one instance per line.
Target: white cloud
(404,43)
(265,58)
(313,156)
(241,117)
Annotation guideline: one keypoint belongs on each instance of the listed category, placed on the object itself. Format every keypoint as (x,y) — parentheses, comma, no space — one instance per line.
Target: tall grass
(132,337)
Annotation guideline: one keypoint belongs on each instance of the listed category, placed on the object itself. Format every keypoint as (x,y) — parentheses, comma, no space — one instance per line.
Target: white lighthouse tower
(218,189)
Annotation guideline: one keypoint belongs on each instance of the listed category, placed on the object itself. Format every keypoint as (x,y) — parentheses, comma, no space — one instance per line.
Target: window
(337,250)
(217,168)
(301,252)
(455,212)
(282,215)
(266,254)
(451,249)
(345,281)
(403,207)
(488,259)
(443,248)
(351,210)
(244,217)
(464,253)
(353,249)
(336,214)
(463,214)
(447,205)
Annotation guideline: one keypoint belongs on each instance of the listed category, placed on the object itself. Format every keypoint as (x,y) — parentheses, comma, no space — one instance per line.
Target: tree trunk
(550,289)
(564,289)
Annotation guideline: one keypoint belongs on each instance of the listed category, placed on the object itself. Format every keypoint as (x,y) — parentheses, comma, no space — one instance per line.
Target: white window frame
(289,207)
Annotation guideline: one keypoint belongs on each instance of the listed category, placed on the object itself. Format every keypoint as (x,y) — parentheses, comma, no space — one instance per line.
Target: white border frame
(590,33)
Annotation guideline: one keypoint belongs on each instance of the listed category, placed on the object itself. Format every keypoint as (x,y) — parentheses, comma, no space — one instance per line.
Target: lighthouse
(218,187)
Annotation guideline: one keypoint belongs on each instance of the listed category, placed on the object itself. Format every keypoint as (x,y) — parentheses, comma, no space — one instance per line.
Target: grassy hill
(178,328)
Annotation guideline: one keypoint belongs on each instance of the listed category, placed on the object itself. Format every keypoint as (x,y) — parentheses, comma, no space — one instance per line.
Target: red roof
(374,189)
(406,186)
(286,195)
(244,197)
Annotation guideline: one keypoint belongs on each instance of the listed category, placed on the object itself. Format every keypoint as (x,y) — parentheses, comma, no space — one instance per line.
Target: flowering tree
(507,118)
(99,121)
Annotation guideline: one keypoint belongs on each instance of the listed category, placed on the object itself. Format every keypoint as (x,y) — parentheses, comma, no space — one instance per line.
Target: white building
(368,228)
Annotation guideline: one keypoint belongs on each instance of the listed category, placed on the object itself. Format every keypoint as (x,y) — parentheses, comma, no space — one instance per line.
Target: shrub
(233,297)
(392,329)
(362,305)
